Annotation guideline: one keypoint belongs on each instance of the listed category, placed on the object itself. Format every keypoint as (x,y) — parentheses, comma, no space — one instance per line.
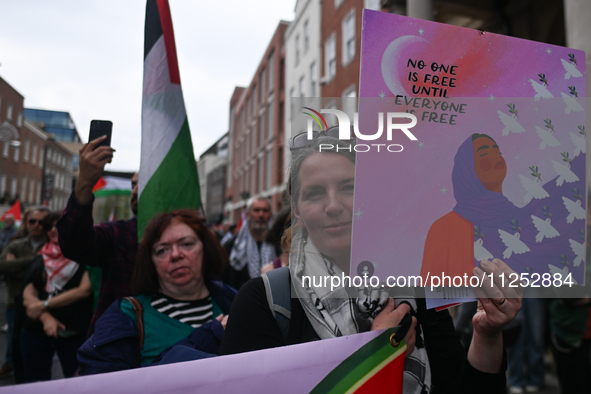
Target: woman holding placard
(321,189)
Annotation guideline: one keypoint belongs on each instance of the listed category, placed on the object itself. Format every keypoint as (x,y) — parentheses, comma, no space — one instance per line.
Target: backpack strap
(278,291)
(139,321)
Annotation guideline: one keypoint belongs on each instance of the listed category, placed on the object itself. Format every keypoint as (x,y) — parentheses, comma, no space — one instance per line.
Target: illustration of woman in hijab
(484,224)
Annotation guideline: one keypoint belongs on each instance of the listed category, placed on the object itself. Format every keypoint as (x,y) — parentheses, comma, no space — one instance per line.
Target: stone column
(422,9)
(577,18)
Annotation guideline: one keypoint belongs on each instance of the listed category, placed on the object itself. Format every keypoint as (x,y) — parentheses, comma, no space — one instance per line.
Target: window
(372,5)
(261,170)
(280,166)
(19,119)
(13,184)
(313,80)
(271,73)
(23,188)
(246,109)
(26,152)
(348,26)
(350,101)
(269,166)
(34,154)
(247,147)
(32,190)
(2,184)
(261,130)
(262,90)
(302,87)
(5,149)
(337,3)
(9,111)
(17,154)
(306,36)
(41,157)
(291,102)
(252,184)
(254,100)
(330,57)
(270,120)
(331,119)
(38,201)
(297,49)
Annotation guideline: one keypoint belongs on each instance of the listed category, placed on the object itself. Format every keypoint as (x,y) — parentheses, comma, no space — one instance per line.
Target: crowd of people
(189,292)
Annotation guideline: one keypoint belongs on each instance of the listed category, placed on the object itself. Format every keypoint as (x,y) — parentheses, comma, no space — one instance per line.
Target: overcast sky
(86,57)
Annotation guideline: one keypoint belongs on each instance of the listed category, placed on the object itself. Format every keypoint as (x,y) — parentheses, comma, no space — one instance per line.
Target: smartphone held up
(98,128)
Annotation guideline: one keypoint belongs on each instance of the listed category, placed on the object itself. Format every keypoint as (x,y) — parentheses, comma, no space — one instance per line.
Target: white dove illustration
(579,250)
(541,90)
(562,271)
(547,138)
(571,104)
(575,210)
(545,228)
(571,70)
(580,143)
(565,173)
(480,252)
(511,124)
(513,244)
(533,188)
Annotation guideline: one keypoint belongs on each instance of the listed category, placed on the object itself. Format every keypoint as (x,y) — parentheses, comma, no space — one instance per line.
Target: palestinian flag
(112,185)
(168,171)
(375,366)
(16,211)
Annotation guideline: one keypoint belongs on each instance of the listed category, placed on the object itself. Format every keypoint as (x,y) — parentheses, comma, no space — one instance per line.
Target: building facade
(212,167)
(257,132)
(22,145)
(302,59)
(61,125)
(57,175)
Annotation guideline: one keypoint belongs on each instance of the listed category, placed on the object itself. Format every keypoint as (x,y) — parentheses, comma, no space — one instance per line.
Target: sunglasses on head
(35,221)
(301,140)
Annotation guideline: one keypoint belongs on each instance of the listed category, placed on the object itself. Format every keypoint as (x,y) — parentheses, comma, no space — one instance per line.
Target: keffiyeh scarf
(347,311)
(59,269)
(245,251)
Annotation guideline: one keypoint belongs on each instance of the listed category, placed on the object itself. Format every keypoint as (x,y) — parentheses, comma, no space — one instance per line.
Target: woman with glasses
(322,188)
(58,301)
(183,307)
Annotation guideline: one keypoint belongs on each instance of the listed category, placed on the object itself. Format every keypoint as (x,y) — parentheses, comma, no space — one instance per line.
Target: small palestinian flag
(168,177)
(112,185)
(377,367)
(16,211)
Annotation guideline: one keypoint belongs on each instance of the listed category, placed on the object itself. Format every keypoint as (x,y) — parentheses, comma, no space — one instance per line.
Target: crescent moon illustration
(390,61)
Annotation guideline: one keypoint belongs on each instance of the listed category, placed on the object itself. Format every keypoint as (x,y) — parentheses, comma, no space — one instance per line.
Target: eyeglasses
(35,221)
(162,252)
(301,140)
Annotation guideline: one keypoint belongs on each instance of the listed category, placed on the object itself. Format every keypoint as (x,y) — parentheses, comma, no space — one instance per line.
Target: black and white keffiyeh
(347,311)
(245,251)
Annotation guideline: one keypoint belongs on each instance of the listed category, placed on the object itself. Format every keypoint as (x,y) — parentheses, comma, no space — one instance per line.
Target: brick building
(257,132)
(22,146)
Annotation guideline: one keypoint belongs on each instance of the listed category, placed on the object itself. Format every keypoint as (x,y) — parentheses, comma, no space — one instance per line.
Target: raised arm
(79,239)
